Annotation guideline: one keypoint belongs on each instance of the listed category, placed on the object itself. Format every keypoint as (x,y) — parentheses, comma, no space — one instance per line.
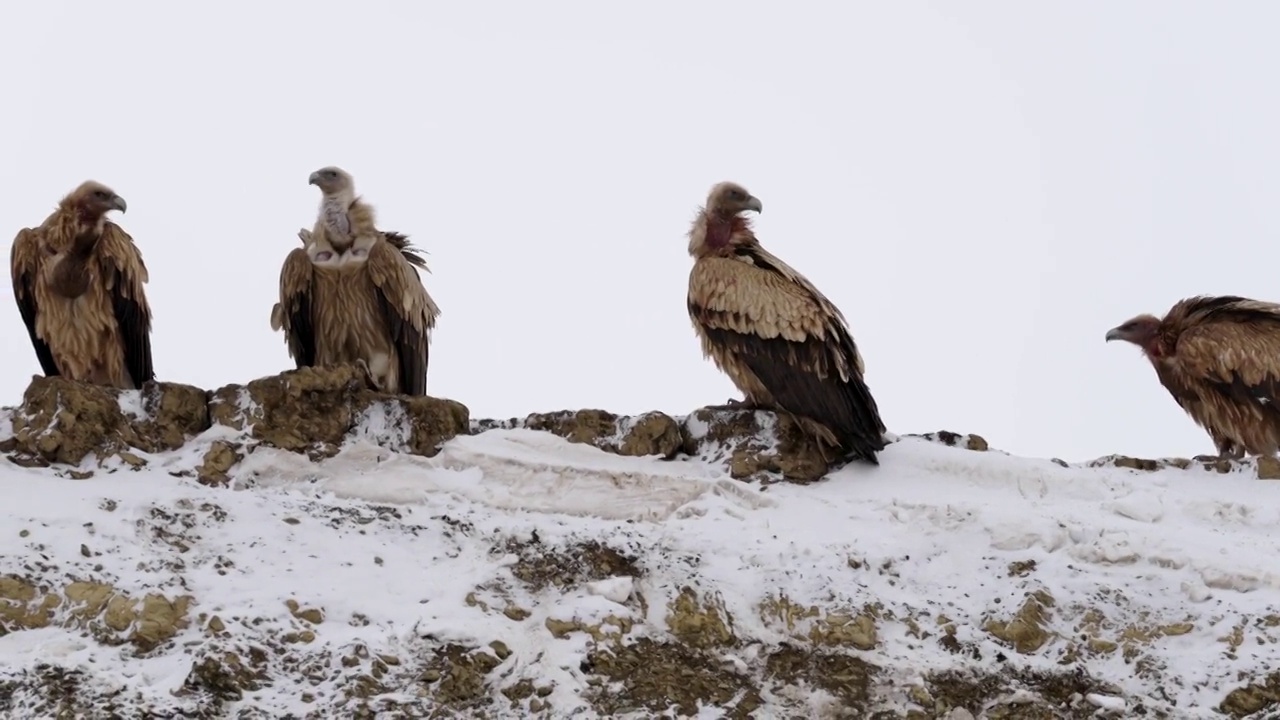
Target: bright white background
(984,189)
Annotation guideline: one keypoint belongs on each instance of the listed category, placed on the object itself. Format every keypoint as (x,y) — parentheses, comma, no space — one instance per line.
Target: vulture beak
(1114,334)
(118,203)
(314,179)
(753,203)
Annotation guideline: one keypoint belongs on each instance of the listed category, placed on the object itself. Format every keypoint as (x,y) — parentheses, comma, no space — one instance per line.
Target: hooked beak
(755,204)
(1114,334)
(314,179)
(118,203)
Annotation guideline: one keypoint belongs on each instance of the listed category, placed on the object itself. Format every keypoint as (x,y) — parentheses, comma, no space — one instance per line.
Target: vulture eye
(100,194)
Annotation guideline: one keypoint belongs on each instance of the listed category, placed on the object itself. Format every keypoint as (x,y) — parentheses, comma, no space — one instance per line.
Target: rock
(1268,468)
(953,439)
(754,444)
(652,433)
(61,421)
(218,460)
(1027,630)
(314,409)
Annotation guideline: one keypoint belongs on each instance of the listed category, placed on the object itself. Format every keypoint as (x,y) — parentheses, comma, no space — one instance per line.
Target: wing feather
(1239,356)
(409,311)
(25,261)
(790,339)
(293,313)
(125,275)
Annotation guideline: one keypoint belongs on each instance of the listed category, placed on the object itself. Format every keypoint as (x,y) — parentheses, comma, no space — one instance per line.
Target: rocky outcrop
(312,410)
(316,410)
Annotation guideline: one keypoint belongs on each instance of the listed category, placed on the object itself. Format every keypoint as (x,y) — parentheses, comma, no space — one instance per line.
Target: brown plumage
(780,341)
(78,281)
(352,294)
(1220,359)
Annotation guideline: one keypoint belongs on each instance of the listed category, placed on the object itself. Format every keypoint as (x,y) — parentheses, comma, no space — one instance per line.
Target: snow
(404,553)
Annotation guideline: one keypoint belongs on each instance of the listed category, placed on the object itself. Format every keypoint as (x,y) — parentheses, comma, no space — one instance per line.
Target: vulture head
(720,225)
(92,200)
(1143,331)
(331,180)
(728,199)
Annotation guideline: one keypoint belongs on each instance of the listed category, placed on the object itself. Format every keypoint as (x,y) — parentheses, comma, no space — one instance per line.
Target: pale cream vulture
(352,294)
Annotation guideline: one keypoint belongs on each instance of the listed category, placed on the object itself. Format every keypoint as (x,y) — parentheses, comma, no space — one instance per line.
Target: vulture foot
(1229,457)
(368,375)
(732,404)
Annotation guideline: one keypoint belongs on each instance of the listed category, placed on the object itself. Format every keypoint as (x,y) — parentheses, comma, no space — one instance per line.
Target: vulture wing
(293,312)
(409,311)
(790,337)
(410,253)
(25,261)
(1236,351)
(124,274)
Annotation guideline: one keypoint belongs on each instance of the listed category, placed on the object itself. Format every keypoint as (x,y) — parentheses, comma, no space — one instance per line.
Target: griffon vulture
(780,341)
(78,281)
(1220,359)
(352,294)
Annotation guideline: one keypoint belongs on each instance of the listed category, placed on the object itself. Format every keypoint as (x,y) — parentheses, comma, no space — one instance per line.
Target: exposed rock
(967,441)
(653,676)
(1264,468)
(753,444)
(61,421)
(218,461)
(110,615)
(1268,468)
(1026,631)
(1253,698)
(315,409)
(652,433)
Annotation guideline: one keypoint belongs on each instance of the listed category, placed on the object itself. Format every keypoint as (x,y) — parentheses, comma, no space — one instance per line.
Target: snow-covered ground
(1164,586)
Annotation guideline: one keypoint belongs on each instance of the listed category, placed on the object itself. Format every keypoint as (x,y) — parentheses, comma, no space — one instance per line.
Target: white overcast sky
(983,188)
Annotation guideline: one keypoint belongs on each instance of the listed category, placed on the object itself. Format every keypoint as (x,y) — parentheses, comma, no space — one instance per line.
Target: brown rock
(652,433)
(218,460)
(312,409)
(753,444)
(174,413)
(1268,468)
(968,441)
(61,421)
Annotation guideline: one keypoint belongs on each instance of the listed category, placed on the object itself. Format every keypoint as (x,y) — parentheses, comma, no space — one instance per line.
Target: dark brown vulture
(1220,359)
(780,341)
(78,281)
(352,294)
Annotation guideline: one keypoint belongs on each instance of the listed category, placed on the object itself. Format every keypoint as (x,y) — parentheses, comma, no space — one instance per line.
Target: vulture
(1219,357)
(352,294)
(78,281)
(780,340)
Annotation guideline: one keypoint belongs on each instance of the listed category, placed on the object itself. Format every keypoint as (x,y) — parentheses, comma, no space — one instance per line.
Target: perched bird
(780,341)
(352,294)
(78,281)
(1220,359)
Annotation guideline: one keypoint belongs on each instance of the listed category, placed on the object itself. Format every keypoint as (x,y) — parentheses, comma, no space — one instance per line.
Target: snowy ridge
(406,574)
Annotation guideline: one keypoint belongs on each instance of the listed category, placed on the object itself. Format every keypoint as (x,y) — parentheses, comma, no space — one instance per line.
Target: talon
(368,374)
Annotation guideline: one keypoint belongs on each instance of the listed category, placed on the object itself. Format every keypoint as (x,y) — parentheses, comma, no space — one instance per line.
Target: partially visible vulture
(780,341)
(78,281)
(1220,359)
(352,294)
